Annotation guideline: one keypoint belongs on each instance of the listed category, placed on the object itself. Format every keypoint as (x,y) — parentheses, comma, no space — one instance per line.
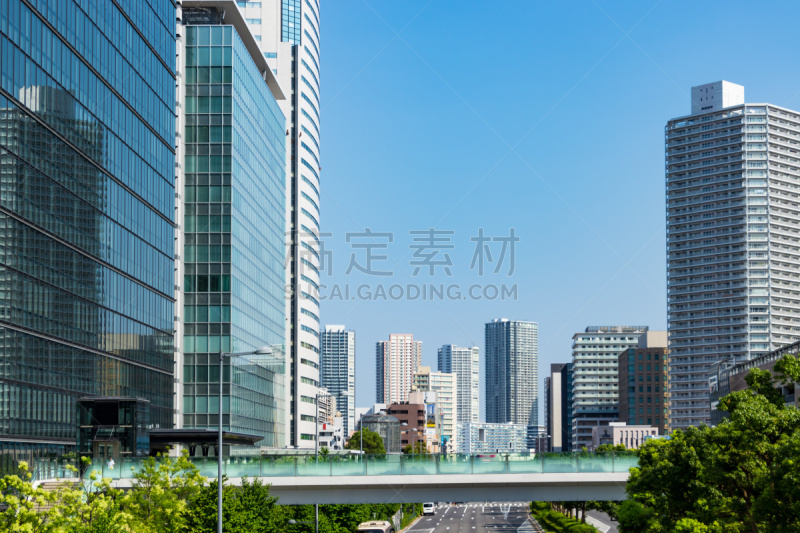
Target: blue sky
(545,117)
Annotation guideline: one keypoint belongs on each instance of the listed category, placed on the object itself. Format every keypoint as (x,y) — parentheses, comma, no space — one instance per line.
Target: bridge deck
(406,478)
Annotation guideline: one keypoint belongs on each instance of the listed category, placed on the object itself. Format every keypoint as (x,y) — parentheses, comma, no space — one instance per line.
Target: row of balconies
(675,139)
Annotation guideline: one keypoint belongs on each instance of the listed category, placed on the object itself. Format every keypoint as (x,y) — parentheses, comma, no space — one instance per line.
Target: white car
(428,508)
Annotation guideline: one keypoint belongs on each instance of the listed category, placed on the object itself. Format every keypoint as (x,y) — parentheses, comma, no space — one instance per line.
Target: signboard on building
(430,415)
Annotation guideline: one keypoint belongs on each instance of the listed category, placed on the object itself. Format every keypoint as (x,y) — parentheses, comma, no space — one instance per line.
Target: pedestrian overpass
(337,479)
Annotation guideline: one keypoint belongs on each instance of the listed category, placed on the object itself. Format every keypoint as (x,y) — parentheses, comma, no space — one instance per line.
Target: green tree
(163,489)
(335,518)
(245,509)
(90,507)
(373,443)
(419,448)
(21,503)
(634,517)
(737,477)
(611,448)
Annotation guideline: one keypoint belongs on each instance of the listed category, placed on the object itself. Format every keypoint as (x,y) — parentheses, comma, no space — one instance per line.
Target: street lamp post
(316,453)
(415,431)
(266,350)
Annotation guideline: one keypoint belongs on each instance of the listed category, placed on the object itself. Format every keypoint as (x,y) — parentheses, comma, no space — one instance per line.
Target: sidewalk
(409,526)
(534,524)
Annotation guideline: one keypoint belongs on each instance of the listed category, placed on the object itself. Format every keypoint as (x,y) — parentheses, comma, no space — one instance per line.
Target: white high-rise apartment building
(289,34)
(512,372)
(595,388)
(465,364)
(733,258)
(396,362)
(338,371)
(445,385)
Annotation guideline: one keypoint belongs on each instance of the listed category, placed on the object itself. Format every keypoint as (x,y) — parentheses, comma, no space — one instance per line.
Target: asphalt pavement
(477,517)
(601,521)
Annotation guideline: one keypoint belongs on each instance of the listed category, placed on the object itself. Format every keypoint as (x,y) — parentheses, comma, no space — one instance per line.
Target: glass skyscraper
(233,211)
(288,32)
(512,372)
(338,371)
(87,133)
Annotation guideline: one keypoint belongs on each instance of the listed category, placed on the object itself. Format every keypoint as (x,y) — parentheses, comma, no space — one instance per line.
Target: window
(270,55)
(256,22)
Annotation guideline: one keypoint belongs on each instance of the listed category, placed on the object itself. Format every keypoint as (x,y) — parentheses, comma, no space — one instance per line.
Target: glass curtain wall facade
(233,235)
(87,130)
(512,372)
(289,34)
(338,372)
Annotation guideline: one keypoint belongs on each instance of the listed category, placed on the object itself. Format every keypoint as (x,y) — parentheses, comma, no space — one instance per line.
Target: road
(477,517)
(601,521)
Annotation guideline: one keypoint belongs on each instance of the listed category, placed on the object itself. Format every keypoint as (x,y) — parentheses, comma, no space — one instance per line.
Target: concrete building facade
(483,438)
(643,374)
(396,361)
(595,396)
(732,170)
(465,364)
(616,433)
(727,378)
(557,423)
(446,388)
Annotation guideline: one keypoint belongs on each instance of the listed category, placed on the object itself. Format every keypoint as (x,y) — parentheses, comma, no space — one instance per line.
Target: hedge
(555,522)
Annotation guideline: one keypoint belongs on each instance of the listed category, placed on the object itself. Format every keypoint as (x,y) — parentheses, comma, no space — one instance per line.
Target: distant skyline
(542,117)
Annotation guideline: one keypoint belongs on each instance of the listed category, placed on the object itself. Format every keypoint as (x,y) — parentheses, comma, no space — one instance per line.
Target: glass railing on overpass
(369,465)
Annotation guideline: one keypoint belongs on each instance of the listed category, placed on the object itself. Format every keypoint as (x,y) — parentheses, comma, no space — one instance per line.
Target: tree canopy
(373,442)
(168,496)
(740,476)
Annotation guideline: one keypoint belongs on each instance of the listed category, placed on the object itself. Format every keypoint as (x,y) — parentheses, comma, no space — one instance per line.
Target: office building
(396,361)
(465,364)
(412,418)
(732,213)
(532,436)
(558,425)
(615,433)
(338,370)
(288,32)
(643,374)
(483,438)
(512,372)
(446,388)
(727,377)
(595,387)
(547,408)
(87,162)
(231,207)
